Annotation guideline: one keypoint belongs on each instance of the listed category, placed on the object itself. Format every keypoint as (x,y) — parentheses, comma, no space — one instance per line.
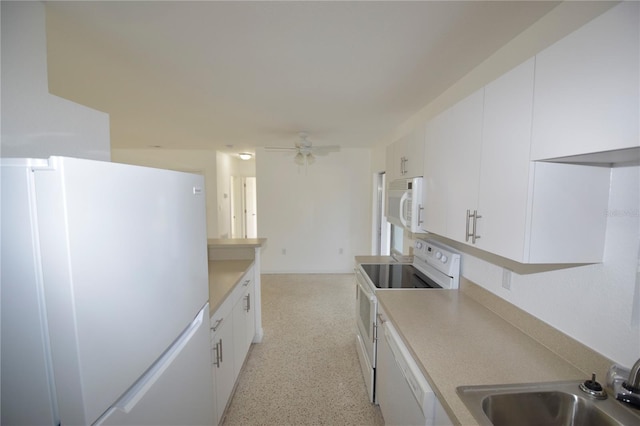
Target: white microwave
(404,203)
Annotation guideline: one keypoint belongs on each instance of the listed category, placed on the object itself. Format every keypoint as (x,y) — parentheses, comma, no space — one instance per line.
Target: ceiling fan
(305,151)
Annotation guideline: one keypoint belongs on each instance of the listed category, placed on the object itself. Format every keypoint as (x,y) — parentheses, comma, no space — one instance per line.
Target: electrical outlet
(284,251)
(340,251)
(506,279)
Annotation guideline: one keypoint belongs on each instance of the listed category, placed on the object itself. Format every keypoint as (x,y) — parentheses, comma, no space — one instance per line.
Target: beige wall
(561,21)
(319,216)
(196,161)
(35,123)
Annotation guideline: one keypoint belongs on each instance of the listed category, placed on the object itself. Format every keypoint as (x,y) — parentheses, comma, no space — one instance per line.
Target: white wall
(195,161)
(598,305)
(34,122)
(243,168)
(315,212)
(223,184)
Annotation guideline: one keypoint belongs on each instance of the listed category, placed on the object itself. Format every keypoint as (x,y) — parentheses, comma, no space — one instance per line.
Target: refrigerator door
(158,398)
(27,394)
(124,266)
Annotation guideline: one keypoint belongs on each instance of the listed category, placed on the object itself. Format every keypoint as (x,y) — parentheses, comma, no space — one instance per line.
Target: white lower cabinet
(233,328)
(224,376)
(402,391)
(243,322)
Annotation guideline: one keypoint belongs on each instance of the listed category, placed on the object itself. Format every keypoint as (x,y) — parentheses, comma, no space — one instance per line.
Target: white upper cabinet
(405,156)
(504,177)
(452,167)
(533,212)
(481,188)
(587,88)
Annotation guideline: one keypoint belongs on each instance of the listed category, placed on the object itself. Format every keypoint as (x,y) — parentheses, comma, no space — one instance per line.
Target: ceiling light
(310,158)
(245,156)
(299,159)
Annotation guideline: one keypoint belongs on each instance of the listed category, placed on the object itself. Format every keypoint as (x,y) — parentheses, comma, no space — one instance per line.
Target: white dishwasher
(403,393)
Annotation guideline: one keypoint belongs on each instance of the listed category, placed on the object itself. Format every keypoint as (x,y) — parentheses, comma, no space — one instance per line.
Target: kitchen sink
(545,403)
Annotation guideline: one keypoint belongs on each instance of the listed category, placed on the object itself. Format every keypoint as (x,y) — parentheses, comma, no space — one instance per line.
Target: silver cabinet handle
(247,298)
(221,349)
(475,236)
(246,283)
(218,356)
(217,324)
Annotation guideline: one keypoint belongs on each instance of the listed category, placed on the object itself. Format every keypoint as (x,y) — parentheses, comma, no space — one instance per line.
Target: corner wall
(35,123)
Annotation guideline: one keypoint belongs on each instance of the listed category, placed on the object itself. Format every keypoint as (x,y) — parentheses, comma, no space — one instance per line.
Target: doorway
(381,227)
(244,215)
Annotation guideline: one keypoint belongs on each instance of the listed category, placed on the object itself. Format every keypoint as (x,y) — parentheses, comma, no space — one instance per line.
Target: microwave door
(405,210)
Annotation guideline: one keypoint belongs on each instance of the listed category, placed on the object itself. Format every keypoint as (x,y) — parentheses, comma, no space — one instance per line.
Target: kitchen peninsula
(229,260)
(236,315)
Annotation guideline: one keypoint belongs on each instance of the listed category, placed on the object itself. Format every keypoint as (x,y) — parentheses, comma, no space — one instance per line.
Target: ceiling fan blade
(279,148)
(324,150)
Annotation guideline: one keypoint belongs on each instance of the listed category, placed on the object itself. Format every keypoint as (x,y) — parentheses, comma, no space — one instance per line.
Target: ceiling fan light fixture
(245,156)
(299,159)
(310,158)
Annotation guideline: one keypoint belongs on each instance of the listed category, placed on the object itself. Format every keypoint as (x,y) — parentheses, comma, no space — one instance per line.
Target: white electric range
(434,266)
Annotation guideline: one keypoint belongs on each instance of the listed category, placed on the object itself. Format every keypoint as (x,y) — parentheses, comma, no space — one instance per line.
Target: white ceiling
(203,75)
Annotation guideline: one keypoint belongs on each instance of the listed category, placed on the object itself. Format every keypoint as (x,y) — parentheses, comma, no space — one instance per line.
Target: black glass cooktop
(397,275)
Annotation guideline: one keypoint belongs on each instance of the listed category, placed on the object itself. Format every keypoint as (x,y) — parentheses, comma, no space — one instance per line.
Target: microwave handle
(403,201)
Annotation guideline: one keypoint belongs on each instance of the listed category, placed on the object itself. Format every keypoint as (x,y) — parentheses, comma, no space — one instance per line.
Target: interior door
(237,208)
(251,214)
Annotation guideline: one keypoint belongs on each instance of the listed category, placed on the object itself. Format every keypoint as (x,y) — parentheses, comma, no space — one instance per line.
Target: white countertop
(223,277)
(235,242)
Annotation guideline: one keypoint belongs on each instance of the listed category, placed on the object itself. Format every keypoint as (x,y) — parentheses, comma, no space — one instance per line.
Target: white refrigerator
(104,295)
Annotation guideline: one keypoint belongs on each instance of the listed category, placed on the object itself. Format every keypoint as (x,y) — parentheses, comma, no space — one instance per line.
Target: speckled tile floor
(306,370)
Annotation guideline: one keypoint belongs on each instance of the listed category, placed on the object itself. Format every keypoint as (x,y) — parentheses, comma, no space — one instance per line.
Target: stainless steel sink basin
(548,403)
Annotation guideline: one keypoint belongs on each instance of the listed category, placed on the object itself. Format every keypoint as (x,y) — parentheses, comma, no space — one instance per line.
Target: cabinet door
(250,313)
(587,88)
(405,157)
(223,368)
(413,152)
(453,144)
(434,182)
(504,174)
(392,166)
(463,163)
(239,333)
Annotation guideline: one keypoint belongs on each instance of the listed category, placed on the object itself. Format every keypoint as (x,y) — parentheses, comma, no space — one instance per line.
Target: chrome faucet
(627,391)
(633,382)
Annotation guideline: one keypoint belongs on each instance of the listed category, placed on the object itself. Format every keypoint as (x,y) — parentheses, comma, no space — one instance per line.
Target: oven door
(366,312)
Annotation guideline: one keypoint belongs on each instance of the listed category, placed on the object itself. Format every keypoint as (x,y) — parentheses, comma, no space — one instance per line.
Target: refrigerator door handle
(142,385)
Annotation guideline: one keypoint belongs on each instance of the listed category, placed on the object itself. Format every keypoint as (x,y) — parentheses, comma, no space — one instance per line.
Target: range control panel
(438,255)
